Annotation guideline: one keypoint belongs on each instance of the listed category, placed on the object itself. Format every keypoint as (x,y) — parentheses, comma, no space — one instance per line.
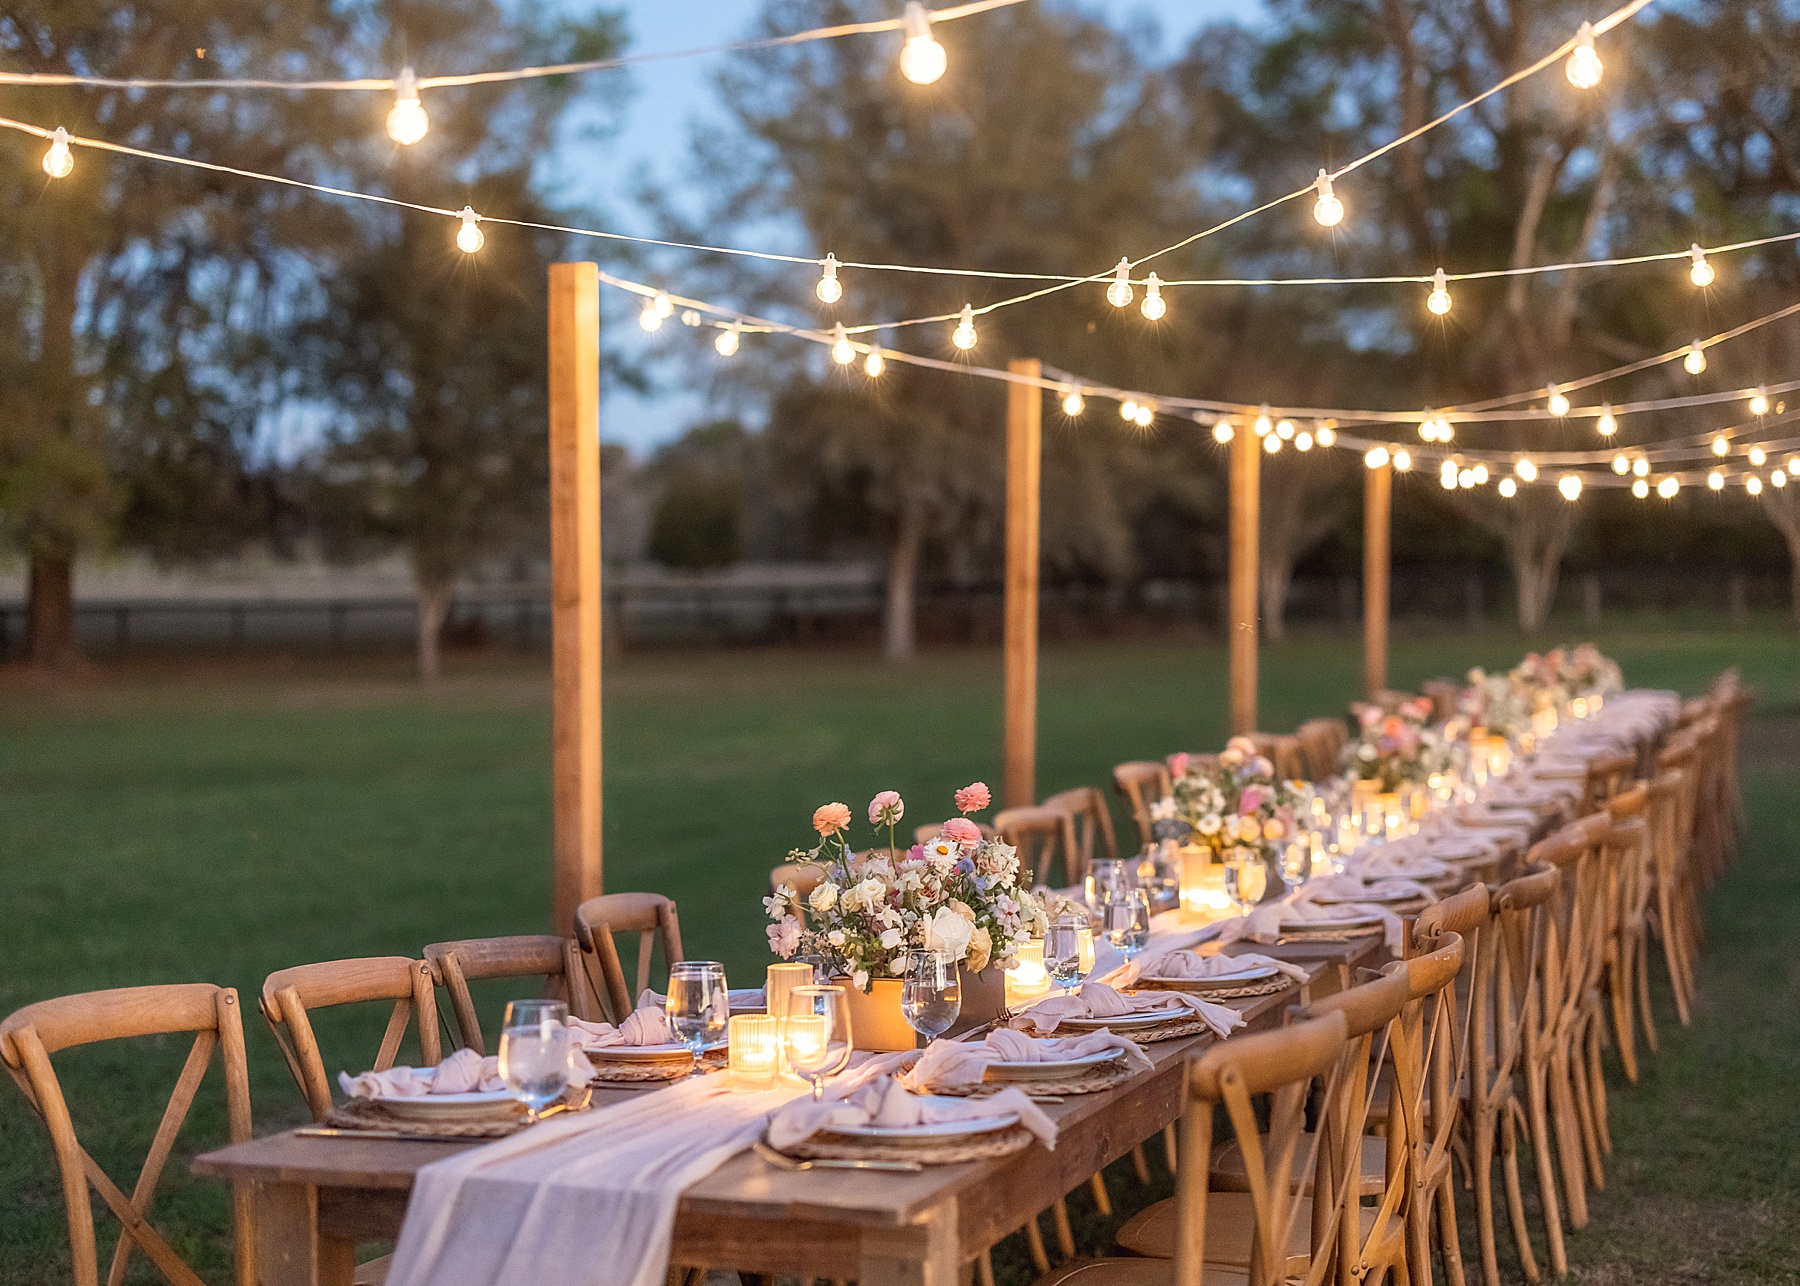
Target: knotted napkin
(1099,1001)
(464,1072)
(1337,890)
(1192,965)
(960,1064)
(1265,923)
(884,1100)
(645,1026)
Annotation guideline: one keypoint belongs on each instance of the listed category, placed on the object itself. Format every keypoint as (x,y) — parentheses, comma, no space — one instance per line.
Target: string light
(1759,402)
(1778,479)
(1465,478)
(1584,67)
(830,289)
(1607,423)
(1073,405)
(1326,435)
(1526,470)
(1447,475)
(1570,486)
(1695,361)
(1557,402)
(663,304)
(1328,210)
(874,364)
(1621,465)
(1640,489)
(922,59)
(1285,430)
(1154,307)
(59,160)
(1641,467)
(1402,460)
(406,119)
(1753,485)
(1303,441)
(843,352)
(964,334)
(1716,480)
(1701,273)
(1146,413)
(690,317)
(1223,432)
(1668,487)
(1271,443)
(1128,410)
(726,341)
(651,318)
(1119,293)
(1439,301)
(1375,457)
(1480,473)
(1720,446)
(468,237)
(1508,488)
(1758,456)
(1264,425)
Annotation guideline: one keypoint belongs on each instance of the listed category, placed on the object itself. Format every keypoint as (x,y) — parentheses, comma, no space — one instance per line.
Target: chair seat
(1135,1272)
(1228,1166)
(1230,1221)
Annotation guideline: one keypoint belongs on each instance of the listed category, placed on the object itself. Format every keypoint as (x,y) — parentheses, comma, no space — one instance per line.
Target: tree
(1304,500)
(702,480)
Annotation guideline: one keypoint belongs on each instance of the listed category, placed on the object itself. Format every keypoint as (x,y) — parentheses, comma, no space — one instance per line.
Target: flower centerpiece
(1395,744)
(1232,808)
(958,893)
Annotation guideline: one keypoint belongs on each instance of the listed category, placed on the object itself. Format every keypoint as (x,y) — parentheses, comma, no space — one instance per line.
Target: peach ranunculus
(962,830)
(972,799)
(886,809)
(831,819)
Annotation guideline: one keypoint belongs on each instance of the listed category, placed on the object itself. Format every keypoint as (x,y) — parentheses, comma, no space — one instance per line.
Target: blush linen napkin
(1099,1001)
(1265,922)
(1383,865)
(960,1064)
(882,1099)
(464,1072)
(1336,890)
(644,1026)
(1192,965)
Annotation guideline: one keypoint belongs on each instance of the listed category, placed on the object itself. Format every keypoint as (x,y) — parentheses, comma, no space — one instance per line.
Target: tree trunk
(1536,565)
(50,608)
(897,629)
(434,607)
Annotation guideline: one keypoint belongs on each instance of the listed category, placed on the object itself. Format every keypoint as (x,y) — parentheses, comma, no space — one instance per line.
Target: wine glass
(1127,916)
(699,1006)
(1062,951)
(1104,875)
(1246,880)
(534,1052)
(931,993)
(816,1035)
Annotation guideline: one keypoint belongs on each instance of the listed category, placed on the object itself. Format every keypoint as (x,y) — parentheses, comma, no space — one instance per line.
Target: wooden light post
(575,584)
(1378,488)
(1245,520)
(1024,458)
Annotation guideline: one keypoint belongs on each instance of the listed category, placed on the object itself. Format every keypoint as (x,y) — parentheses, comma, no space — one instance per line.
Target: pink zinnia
(886,808)
(1178,764)
(829,819)
(972,799)
(962,831)
(1250,801)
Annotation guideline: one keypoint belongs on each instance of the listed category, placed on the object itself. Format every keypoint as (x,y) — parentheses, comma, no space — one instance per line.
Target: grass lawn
(162,824)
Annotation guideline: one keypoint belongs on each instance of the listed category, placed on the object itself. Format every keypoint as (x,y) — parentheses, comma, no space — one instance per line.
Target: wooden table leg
(923,1254)
(289,1248)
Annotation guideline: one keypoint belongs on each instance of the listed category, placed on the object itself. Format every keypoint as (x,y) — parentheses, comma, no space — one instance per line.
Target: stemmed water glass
(534,1052)
(816,1035)
(931,993)
(1127,918)
(1246,880)
(1062,951)
(699,1006)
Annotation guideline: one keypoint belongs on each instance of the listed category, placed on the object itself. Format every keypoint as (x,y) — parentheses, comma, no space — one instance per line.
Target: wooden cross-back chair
(1628,867)
(1141,783)
(1322,743)
(30,1035)
(1667,912)
(1283,751)
(1682,756)
(1086,807)
(1041,834)
(649,915)
(557,961)
(1282,1066)
(289,994)
(1606,777)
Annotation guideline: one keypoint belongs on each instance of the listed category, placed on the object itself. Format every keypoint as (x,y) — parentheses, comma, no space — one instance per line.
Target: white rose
(824,897)
(949,932)
(891,938)
(870,894)
(835,937)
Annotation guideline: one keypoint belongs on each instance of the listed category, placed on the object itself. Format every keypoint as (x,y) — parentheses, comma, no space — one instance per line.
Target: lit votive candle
(755,1043)
(803,1038)
(1028,977)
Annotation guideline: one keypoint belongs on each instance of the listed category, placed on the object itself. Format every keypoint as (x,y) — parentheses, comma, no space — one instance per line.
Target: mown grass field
(162,823)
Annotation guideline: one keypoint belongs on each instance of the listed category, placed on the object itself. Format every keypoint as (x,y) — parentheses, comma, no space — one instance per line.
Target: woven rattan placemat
(981,1147)
(1100,1078)
(1198,987)
(364,1114)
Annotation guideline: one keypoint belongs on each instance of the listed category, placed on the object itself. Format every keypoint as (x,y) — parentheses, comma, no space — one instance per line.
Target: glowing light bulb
(1465,478)
(1072,403)
(1119,293)
(1223,432)
(1428,428)
(1285,430)
(1641,467)
(1508,488)
(1326,435)
(1264,425)
(649,318)
(1481,475)
(1154,307)
(1376,457)
(830,289)
(843,352)
(1701,273)
(690,318)
(726,342)
(406,120)
(1402,459)
(59,160)
(468,237)
(1716,480)
(964,334)
(1271,443)
(1778,479)
(1584,67)
(1146,413)
(1558,404)
(1526,469)
(1640,489)
(1607,423)
(1447,475)
(1328,210)
(1438,301)
(1720,446)
(665,307)
(1128,409)
(1758,456)
(1668,487)
(1303,441)
(1753,485)
(1570,486)
(1621,464)
(1695,361)
(1759,403)
(922,59)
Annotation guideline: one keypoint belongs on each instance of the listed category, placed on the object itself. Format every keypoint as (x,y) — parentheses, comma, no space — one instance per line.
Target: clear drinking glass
(931,993)
(1062,951)
(699,1006)
(1127,917)
(816,1035)
(1104,875)
(534,1052)
(1246,880)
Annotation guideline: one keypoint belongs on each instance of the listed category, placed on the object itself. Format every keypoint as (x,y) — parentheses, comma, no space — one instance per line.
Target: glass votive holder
(755,1042)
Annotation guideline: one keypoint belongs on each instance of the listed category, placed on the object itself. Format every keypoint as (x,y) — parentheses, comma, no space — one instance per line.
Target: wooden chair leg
(984,1268)
(1481,1178)
(1624,1028)
(1140,1164)
(1449,1236)
(1169,1147)
(1034,1246)
(1515,1196)
(1536,1091)
(1065,1236)
(1569,1147)
(1646,1019)
(1596,1072)
(1102,1198)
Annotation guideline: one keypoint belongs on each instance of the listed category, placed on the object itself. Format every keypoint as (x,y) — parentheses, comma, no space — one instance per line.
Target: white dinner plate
(1388,899)
(1334,922)
(931,1130)
(483,1105)
(1051,1070)
(648,1053)
(1127,1022)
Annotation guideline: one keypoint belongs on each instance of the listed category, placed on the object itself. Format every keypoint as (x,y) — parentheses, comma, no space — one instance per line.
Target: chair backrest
(649,915)
(1606,777)
(1141,783)
(1463,913)
(557,961)
(289,994)
(1283,1065)
(1322,744)
(1283,751)
(1086,805)
(30,1035)
(924,834)
(1574,923)
(1445,696)
(1039,834)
